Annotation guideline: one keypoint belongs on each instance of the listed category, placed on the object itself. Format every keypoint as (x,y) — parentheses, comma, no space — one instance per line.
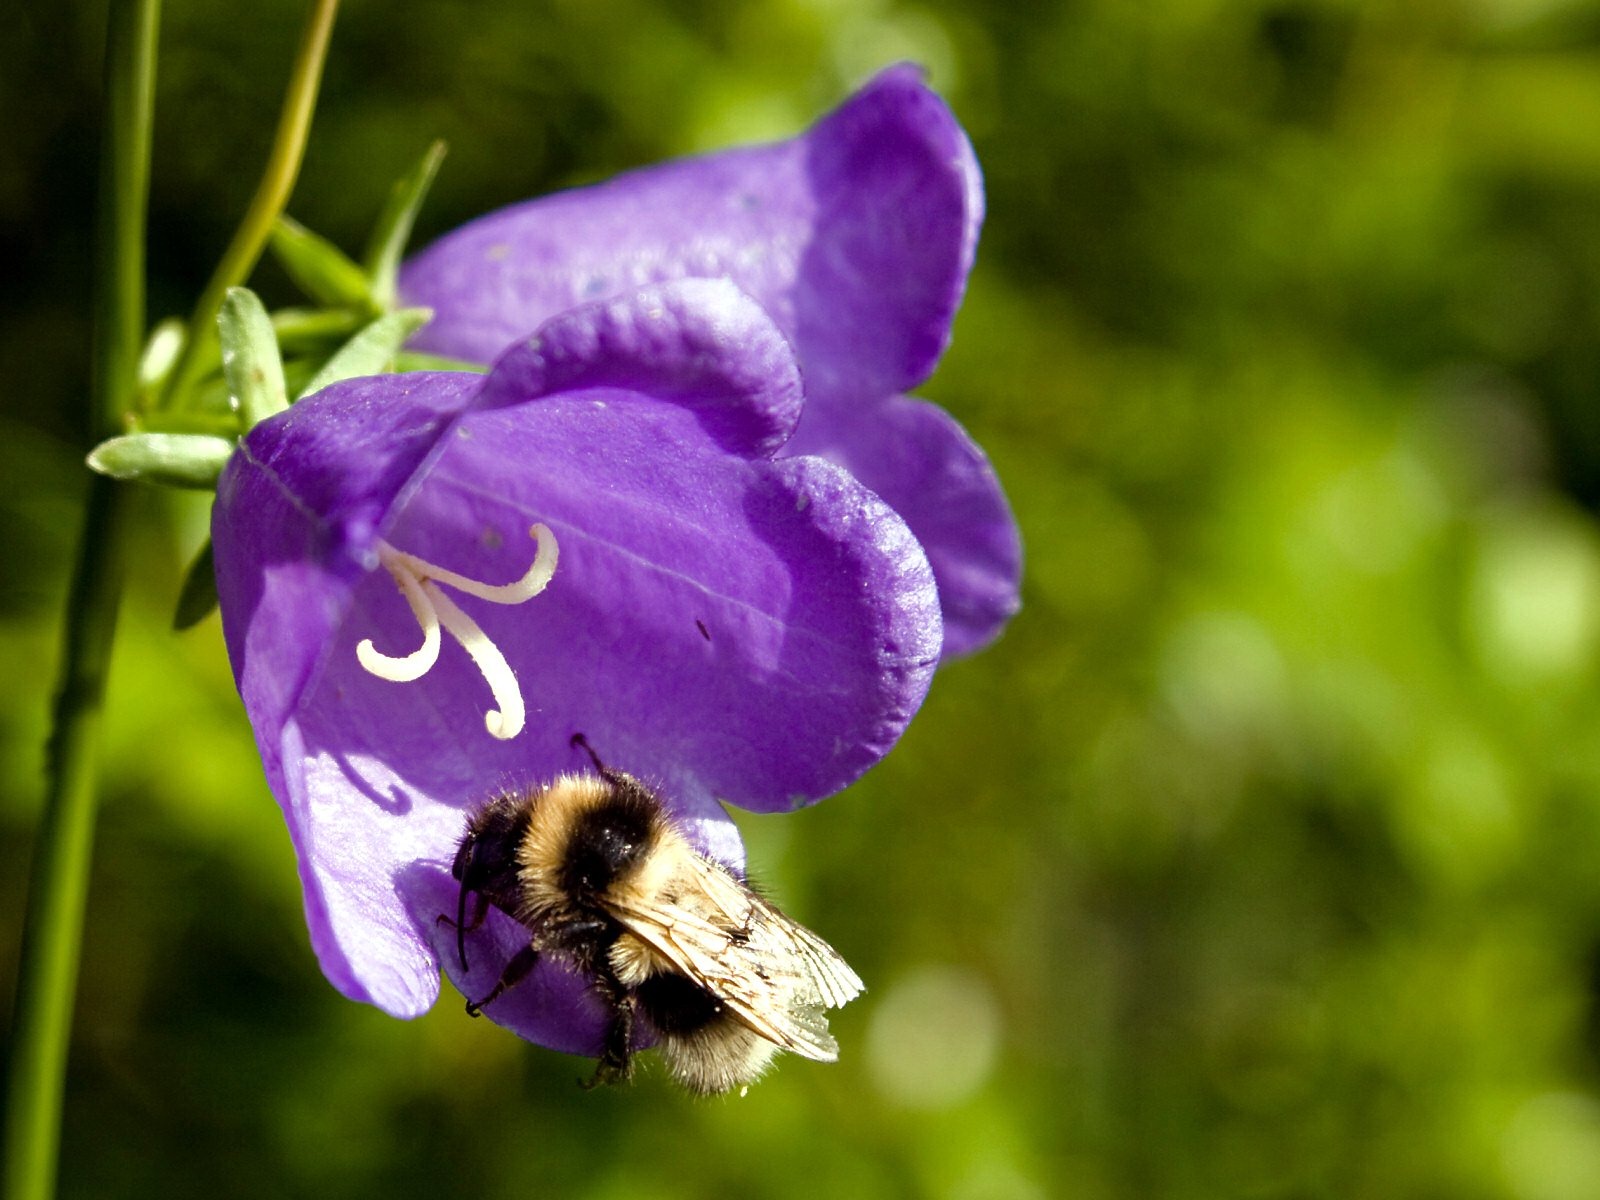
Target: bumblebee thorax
(586,835)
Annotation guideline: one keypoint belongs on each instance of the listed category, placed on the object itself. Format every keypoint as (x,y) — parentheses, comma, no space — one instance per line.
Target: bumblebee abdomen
(717,1057)
(676,1004)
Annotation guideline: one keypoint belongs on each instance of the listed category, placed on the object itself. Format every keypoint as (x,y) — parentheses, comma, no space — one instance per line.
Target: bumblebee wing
(774,974)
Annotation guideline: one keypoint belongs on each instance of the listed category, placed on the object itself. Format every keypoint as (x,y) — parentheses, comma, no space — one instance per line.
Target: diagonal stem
(272,194)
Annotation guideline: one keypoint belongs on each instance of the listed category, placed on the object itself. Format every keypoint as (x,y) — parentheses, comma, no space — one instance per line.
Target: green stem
(52,934)
(58,888)
(272,194)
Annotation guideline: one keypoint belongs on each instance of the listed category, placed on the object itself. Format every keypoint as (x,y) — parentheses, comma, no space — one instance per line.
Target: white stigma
(419,582)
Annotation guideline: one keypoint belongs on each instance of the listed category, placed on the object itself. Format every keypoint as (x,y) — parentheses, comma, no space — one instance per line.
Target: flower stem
(52,933)
(272,194)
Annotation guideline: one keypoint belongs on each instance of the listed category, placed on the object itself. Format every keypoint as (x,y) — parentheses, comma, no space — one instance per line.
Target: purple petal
(668,343)
(720,624)
(922,463)
(311,507)
(856,237)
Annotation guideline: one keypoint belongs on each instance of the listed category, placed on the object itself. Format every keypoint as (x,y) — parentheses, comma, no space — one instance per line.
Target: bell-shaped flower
(431,582)
(856,237)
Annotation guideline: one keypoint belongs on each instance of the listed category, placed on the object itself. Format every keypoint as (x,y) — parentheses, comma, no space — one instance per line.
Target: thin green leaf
(187,460)
(161,350)
(323,271)
(393,230)
(198,596)
(416,360)
(219,422)
(372,350)
(301,330)
(250,360)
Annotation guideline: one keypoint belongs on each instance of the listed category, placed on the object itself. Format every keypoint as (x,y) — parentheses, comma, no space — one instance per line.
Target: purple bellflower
(430,582)
(856,237)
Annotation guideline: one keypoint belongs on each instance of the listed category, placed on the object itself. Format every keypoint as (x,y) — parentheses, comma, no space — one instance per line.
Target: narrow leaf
(160,352)
(220,423)
(198,595)
(314,329)
(393,230)
(417,360)
(250,360)
(323,271)
(372,350)
(189,460)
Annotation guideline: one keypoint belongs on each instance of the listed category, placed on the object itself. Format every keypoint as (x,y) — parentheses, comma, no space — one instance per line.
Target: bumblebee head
(486,861)
(461,869)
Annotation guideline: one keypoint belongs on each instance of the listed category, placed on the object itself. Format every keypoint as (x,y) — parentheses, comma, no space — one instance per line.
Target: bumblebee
(605,880)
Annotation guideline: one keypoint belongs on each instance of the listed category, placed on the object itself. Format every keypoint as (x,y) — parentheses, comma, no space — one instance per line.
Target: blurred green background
(1261,857)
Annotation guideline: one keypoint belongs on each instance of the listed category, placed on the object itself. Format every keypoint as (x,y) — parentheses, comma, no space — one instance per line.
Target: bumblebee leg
(516,971)
(480,910)
(616,1059)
